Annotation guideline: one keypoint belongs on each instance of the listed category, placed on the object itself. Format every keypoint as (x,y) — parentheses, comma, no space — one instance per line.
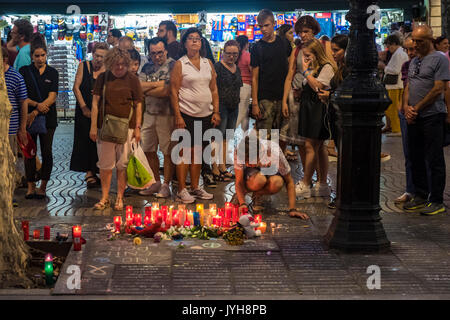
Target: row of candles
(36,232)
(169,216)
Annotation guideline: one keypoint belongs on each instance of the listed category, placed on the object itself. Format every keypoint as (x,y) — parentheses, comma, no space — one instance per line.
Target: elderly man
(425,112)
(159,120)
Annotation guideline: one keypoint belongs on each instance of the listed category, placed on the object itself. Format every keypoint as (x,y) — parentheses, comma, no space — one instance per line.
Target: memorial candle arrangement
(76,231)
(26,230)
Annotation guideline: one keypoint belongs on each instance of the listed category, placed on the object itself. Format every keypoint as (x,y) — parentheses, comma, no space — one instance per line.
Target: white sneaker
(164,192)
(302,190)
(200,193)
(320,190)
(185,197)
(154,188)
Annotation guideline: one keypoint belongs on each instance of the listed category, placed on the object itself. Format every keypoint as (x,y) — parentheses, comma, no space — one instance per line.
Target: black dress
(313,119)
(84,153)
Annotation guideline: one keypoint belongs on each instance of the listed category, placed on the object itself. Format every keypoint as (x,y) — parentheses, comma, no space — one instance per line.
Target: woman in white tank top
(195,100)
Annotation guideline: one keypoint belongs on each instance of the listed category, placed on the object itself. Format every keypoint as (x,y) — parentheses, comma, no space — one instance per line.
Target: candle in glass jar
(221,212)
(164,212)
(26,230)
(36,234)
(117,223)
(76,231)
(175,218)
(129,217)
(258,218)
(46,232)
(148,211)
(128,210)
(228,210)
(147,220)
(190,217)
(48,273)
(262,227)
(199,208)
(138,219)
(187,223)
(48,257)
(196,217)
(235,214)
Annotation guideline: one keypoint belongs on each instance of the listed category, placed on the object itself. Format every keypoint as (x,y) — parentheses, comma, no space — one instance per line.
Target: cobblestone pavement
(288,261)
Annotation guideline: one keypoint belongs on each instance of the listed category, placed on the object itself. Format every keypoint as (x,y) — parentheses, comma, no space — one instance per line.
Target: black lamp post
(360,102)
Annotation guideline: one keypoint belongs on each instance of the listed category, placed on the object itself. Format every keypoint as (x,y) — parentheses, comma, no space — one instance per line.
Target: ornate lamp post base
(360,102)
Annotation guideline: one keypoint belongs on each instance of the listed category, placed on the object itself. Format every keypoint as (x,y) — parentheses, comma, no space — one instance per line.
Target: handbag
(38,126)
(390,79)
(139,174)
(114,129)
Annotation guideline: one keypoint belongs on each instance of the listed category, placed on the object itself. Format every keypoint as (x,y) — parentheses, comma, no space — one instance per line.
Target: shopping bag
(139,173)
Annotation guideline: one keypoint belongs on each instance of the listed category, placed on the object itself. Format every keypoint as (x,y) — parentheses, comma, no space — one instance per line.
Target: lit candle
(26,230)
(129,216)
(36,234)
(46,232)
(148,211)
(228,210)
(190,217)
(222,212)
(215,221)
(199,208)
(147,220)
(212,206)
(196,217)
(48,257)
(48,272)
(175,218)
(262,227)
(117,223)
(258,218)
(187,223)
(235,214)
(76,231)
(164,212)
(155,205)
(137,219)
(128,210)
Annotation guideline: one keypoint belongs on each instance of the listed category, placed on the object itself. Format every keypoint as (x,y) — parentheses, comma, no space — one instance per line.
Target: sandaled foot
(40,195)
(102,204)
(118,206)
(226,176)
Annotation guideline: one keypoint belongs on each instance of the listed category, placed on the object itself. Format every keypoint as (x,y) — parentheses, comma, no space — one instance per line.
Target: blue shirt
(23,57)
(17,91)
(422,74)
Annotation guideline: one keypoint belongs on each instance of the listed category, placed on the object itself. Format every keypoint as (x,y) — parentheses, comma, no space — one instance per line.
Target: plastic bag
(139,174)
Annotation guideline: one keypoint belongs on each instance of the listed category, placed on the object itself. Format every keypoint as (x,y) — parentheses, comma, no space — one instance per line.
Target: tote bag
(139,173)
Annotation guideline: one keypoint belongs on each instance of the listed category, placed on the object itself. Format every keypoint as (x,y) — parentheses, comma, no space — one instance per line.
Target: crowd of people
(282,83)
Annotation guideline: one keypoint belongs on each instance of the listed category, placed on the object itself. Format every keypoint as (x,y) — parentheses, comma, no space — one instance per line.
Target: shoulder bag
(38,126)
(390,79)
(114,129)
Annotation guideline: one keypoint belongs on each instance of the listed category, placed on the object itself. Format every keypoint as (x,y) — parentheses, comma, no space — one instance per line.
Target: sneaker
(185,197)
(200,193)
(431,209)
(332,204)
(320,190)
(208,180)
(415,204)
(394,134)
(164,192)
(301,190)
(385,157)
(154,188)
(403,198)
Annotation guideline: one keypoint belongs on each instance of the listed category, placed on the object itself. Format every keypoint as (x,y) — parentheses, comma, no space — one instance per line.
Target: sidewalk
(289,261)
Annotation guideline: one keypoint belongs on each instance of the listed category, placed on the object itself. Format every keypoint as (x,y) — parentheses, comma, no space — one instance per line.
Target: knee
(257,182)
(275,185)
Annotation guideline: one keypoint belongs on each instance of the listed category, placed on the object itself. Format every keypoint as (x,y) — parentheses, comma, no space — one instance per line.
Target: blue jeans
(228,118)
(408,165)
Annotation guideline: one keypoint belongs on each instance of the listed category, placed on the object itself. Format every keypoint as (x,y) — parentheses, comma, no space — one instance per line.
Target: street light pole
(360,102)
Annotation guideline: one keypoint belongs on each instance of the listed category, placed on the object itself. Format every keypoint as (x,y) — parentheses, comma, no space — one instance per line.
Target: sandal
(92,181)
(102,205)
(118,206)
(226,175)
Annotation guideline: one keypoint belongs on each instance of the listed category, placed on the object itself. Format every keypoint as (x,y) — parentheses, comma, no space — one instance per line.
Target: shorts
(190,125)
(251,171)
(112,155)
(157,130)
(271,115)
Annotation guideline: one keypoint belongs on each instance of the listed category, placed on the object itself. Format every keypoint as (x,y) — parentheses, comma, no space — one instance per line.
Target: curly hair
(24,28)
(185,37)
(115,55)
(307,22)
(100,46)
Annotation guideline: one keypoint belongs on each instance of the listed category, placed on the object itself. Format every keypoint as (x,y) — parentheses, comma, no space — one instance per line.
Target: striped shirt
(17,91)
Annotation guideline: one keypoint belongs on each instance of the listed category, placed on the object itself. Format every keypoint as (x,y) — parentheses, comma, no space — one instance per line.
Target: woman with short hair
(195,100)
(119,92)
